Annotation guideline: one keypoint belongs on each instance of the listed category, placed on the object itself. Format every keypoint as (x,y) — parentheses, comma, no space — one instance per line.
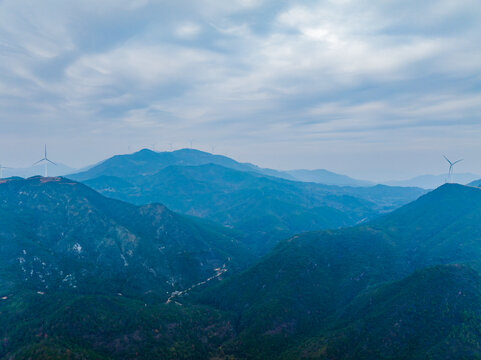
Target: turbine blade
(51,162)
(38,162)
(457,161)
(448,160)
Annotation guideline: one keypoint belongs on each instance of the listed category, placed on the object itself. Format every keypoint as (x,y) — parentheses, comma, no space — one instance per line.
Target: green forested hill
(63,325)
(58,234)
(433,314)
(296,289)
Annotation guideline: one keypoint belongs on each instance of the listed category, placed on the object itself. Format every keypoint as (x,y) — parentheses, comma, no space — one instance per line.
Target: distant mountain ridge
(475,183)
(433,181)
(149,162)
(322,176)
(265,208)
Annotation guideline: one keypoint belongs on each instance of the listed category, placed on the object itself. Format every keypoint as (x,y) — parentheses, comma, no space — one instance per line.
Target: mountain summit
(148,162)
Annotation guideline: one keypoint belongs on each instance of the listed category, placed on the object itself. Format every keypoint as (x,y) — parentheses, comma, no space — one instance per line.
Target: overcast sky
(375,89)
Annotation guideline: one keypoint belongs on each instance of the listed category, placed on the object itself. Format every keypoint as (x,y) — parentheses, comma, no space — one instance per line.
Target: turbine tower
(45,161)
(451,166)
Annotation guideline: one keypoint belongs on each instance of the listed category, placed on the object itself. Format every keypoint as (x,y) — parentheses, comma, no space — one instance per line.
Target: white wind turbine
(45,160)
(451,166)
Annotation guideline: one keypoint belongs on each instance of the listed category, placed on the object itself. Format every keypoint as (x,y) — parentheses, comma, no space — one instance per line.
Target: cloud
(187,30)
(241,72)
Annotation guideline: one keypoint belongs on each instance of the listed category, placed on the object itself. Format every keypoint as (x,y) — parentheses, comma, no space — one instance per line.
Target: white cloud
(252,69)
(187,30)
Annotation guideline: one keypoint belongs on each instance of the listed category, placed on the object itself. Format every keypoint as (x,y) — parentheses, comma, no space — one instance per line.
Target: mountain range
(148,162)
(264,208)
(192,157)
(401,286)
(86,276)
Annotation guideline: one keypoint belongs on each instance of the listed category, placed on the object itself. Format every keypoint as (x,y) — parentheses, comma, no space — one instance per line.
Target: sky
(375,89)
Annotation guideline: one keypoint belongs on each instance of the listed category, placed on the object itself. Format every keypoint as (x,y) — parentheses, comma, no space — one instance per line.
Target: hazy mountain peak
(143,153)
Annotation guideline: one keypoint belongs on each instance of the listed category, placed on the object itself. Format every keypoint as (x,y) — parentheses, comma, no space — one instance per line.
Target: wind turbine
(45,160)
(451,165)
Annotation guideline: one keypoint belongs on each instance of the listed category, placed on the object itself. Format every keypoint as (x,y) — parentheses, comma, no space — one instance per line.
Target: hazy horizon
(62,168)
